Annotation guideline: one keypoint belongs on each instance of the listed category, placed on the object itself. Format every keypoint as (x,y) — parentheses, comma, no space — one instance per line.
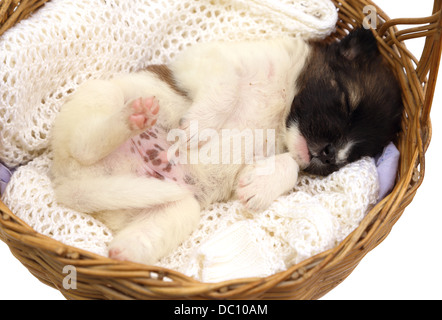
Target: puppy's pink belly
(146,155)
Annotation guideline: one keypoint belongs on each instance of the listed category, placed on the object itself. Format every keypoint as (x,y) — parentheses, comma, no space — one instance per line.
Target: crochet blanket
(46,57)
(230,241)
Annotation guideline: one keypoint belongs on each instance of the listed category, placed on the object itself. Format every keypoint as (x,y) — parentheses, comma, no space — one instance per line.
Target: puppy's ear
(357,44)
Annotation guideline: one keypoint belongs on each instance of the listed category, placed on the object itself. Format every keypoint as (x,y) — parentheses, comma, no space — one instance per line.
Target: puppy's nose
(327,155)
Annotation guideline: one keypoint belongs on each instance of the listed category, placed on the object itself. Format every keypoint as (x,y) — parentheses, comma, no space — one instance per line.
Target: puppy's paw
(132,246)
(256,191)
(143,113)
(263,182)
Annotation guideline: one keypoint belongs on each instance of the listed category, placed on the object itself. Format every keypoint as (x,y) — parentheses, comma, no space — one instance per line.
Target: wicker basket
(102,278)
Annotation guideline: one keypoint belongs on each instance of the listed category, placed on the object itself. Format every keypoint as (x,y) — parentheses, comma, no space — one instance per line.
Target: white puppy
(145,152)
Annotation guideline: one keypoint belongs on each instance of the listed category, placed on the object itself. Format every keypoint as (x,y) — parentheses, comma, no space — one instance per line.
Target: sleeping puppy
(145,152)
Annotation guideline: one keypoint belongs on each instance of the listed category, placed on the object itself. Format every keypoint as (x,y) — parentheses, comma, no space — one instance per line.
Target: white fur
(344,152)
(247,85)
(257,189)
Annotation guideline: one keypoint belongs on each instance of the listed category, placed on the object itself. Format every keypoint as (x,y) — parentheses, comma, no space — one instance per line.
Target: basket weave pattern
(102,278)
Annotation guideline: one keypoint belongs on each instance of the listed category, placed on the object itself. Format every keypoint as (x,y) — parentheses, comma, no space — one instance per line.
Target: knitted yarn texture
(230,242)
(316,216)
(44,58)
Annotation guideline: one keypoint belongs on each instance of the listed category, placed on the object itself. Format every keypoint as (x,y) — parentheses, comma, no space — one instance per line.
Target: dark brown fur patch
(165,74)
(152,153)
(189,180)
(168,168)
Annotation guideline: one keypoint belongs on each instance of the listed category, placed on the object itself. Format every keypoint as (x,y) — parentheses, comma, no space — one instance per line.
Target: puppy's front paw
(261,183)
(132,246)
(256,192)
(143,113)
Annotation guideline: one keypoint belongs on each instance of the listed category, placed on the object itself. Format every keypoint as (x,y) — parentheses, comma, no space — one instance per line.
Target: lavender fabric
(5,175)
(387,166)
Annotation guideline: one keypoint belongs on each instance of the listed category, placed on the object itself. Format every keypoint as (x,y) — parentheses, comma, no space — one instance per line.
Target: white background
(406,265)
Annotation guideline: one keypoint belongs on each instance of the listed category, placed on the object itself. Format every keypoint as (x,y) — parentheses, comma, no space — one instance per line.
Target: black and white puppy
(349,103)
(144,152)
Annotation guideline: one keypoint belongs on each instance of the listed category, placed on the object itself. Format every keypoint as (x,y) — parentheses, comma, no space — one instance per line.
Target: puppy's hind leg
(110,193)
(98,135)
(155,233)
(98,118)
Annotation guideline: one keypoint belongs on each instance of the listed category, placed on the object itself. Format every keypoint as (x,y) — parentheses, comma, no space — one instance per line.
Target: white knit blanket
(230,241)
(47,56)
